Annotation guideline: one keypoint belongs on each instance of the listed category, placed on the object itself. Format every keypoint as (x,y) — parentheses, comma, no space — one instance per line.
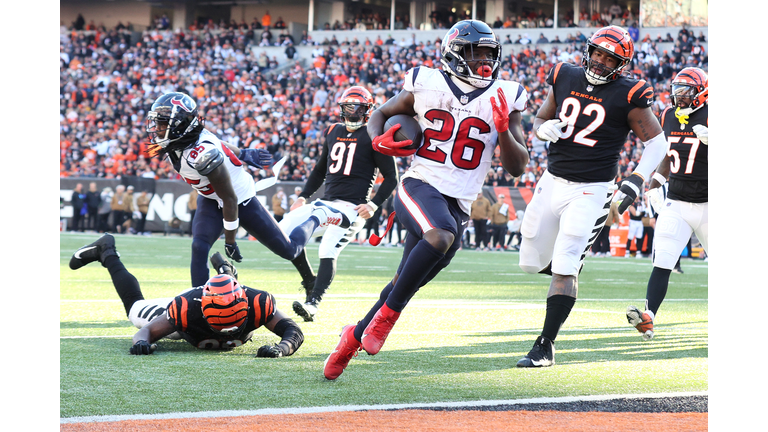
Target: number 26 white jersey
(459,136)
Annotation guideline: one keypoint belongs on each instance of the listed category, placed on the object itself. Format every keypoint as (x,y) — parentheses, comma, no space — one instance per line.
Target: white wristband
(373,206)
(659,178)
(232,225)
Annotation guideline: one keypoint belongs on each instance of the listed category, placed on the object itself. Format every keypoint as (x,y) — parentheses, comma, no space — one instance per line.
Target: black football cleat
(96,251)
(541,355)
(307,310)
(222,266)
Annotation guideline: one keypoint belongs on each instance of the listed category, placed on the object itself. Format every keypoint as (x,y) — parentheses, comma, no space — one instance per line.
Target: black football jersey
(598,127)
(186,316)
(349,166)
(688,157)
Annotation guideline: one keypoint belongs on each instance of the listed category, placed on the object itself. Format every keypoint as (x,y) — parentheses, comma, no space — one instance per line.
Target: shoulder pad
(641,94)
(208,161)
(552,75)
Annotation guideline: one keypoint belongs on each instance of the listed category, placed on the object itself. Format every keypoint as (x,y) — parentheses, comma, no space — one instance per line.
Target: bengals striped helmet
(690,88)
(355,105)
(224,304)
(615,41)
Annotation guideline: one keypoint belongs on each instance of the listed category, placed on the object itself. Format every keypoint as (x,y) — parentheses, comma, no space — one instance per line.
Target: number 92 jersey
(193,168)
(459,136)
(597,127)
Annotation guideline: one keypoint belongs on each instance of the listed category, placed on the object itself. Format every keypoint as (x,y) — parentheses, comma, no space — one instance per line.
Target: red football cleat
(339,359)
(378,329)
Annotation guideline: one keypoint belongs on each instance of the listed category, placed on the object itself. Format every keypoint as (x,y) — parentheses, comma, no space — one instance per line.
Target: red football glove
(500,112)
(386,144)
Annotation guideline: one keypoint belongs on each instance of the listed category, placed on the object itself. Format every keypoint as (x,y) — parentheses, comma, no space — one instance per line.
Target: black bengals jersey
(348,165)
(688,157)
(589,151)
(186,316)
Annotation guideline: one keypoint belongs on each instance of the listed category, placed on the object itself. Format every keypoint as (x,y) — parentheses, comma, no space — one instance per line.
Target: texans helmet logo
(450,36)
(184,103)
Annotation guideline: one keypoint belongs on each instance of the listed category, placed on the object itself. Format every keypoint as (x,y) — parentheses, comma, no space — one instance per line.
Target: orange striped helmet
(691,83)
(355,105)
(615,41)
(224,304)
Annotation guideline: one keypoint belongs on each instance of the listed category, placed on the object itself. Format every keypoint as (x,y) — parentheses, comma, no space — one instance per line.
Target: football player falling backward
(226,191)
(221,314)
(586,117)
(349,166)
(685,209)
(464,112)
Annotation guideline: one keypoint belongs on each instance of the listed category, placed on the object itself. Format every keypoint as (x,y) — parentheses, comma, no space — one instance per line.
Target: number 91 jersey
(189,169)
(597,129)
(459,137)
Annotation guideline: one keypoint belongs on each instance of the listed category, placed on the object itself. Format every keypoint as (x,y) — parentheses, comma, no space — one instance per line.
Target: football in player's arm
(464,112)
(683,173)
(222,314)
(586,117)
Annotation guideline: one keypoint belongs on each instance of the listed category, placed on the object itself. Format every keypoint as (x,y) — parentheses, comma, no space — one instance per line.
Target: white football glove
(656,198)
(702,132)
(551,130)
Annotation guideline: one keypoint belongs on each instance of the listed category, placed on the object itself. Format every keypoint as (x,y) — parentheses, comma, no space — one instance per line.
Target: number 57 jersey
(459,134)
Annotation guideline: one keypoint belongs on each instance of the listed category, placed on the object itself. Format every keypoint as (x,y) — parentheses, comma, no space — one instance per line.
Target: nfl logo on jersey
(464,99)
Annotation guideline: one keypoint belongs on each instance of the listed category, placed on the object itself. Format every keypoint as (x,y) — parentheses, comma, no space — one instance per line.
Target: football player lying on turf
(222,314)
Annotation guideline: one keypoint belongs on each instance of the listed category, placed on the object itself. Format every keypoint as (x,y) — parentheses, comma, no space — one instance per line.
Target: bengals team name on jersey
(586,96)
(679,133)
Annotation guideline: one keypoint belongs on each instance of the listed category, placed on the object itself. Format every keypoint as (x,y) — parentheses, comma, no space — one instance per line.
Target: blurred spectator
(499,219)
(480,213)
(279,204)
(142,205)
(92,200)
(105,209)
(79,208)
(118,209)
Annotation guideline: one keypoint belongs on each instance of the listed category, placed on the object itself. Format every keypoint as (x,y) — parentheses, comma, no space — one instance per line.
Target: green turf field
(458,339)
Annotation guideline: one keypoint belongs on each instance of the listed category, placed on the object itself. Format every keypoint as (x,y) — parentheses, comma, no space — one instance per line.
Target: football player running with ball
(221,314)
(686,208)
(226,198)
(464,112)
(349,166)
(586,117)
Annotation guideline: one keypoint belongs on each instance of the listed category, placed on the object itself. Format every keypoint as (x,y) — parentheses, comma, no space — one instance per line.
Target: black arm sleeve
(317,176)
(291,335)
(388,169)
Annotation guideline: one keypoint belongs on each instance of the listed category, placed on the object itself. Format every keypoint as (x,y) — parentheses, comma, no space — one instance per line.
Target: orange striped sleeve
(637,87)
(556,71)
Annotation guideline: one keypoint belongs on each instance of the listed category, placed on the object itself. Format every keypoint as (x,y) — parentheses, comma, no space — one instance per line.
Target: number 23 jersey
(597,127)
(459,134)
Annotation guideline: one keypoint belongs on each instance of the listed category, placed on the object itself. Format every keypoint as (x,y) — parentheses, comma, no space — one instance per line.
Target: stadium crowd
(107,82)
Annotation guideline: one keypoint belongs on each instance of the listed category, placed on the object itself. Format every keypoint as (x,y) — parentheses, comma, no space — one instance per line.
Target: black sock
(558,309)
(657,289)
(325,275)
(126,284)
(422,258)
(302,264)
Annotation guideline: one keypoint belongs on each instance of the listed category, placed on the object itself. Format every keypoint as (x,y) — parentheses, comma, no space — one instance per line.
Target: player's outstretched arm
(290,333)
(144,340)
(222,184)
